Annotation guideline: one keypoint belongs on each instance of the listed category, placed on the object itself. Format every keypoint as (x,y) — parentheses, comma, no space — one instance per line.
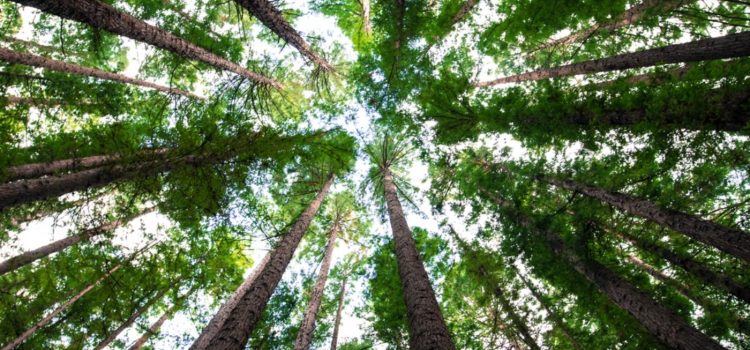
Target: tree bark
(629,17)
(729,240)
(559,323)
(515,318)
(235,331)
(464,11)
(660,321)
(272,18)
(140,342)
(103,16)
(427,329)
(29,257)
(225,310)
(729,46)
(339,310)
(28,59)
(305,334)
(366,23)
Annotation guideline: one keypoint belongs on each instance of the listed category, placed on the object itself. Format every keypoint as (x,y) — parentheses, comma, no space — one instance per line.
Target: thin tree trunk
(44,212)
(660,321)
(516,319)
(236,330)
(729,46)
(729,240)
(559,323)
(140,342)
(44,321)
(29,257)
(366,23)
(37,46)
(305,334)
(30,101)
(629,17)
(216,323)
(427,329)
(339,310)
(103,16)
(32,170)
(272,18)
(28,59)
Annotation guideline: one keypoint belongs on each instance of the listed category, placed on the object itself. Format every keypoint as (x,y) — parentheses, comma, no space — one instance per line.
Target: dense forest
(386,174)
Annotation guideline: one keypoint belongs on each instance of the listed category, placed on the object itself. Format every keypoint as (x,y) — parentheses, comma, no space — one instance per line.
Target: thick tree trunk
(305,334)
(103,16)
(156,326)
(629,17)
(726,239)
(272,18)
(28,59)
(556,320)
(660,321)
(730,46)
(339,311)
(29,257)
(225,310)
(32,170)
(699,270)
(236,330)
(427,329)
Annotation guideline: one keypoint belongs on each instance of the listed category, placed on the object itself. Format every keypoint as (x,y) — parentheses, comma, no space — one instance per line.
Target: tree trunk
(699,270)
(305,334)
(30,101)
(225,310)
(629,17)
(339,310)
(272,18)
(464,11)
(43,322)
(28,59)
(26,43)
(726,239)
(366,23)
(29,257)
(236,330)
(427,329)
(140,342)
(660,321)
(103,16)
(32,170)
(515,318)
(730,46)
(559,323)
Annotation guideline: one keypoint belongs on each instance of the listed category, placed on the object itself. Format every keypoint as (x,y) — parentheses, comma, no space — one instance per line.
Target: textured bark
(556,320)
(629,17)
(366,23)
(272,18)
(28,59)
(235,331)
(154,328)
(31,170)
(339,310)
(660,321)
(729,46)
(730,240)
(305,334)
(30,256)
(699,270)
(225,310)
(427,329)
(464,11)
(103,16)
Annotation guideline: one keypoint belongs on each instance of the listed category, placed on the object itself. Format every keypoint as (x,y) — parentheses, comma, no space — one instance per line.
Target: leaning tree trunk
(660,321)
(64,306)
(305,334)
(225,310)
(274,20)
(103,16)
(730,240)
(28,59)
(339,310)
(29,257)
(427,329)
(557,320)
(629,17)
(154,328)
(235,331)
(730,46)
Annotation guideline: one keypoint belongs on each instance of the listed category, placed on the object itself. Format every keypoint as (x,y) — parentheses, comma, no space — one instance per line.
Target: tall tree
(339,311)
(156,326)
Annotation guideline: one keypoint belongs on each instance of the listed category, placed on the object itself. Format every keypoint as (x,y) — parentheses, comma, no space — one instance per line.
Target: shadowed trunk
(556,320)
(272,18)
(305,334)
(103,16)
(28,59)
(729,240)
(156,326)
(427,329)
(225,310)
(660,321)
(29,257)
(235,331)
(339,310)
(730,46)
